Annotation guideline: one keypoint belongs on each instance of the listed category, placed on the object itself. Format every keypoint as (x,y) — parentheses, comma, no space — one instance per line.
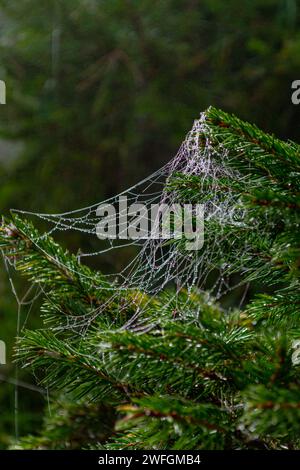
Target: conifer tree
(199,377)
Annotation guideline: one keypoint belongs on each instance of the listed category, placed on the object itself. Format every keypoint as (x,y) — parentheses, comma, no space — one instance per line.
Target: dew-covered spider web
(161,263)
(195,175)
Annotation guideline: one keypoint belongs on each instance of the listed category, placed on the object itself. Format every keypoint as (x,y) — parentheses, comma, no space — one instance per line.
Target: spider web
(158,264)
(161,263)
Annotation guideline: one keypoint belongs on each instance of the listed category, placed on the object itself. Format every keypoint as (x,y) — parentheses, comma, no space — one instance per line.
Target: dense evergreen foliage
(199,377)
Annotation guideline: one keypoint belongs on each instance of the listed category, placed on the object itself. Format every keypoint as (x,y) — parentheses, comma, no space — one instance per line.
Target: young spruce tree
(200,377)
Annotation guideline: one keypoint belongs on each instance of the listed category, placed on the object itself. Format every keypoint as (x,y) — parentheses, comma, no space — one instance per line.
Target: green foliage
(71,426)
(101,88)
(197,377)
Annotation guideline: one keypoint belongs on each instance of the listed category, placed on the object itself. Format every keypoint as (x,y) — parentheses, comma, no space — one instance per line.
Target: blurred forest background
(101,92)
